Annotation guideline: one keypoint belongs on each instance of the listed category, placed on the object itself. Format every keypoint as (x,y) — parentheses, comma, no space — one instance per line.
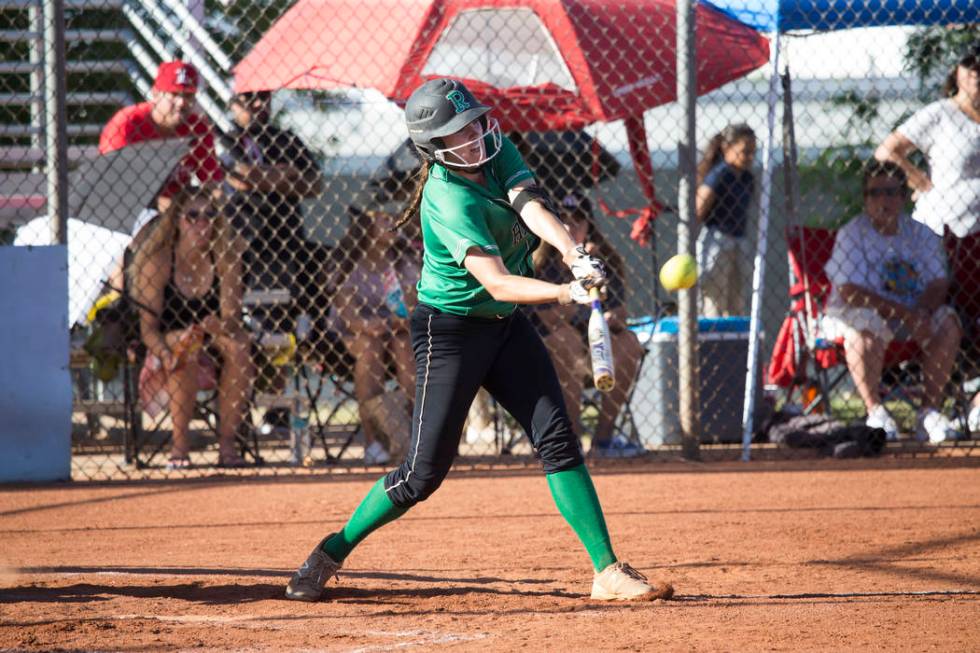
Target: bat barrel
(600,347)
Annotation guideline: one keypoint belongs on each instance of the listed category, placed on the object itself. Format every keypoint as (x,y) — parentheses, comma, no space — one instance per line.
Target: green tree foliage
(931,52)
(838,167)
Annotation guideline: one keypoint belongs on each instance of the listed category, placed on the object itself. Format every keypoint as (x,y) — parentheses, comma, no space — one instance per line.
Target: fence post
(56,120)
(688,377)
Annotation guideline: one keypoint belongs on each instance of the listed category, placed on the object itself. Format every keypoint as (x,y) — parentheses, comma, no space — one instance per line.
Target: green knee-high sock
(578,503)
(375,511)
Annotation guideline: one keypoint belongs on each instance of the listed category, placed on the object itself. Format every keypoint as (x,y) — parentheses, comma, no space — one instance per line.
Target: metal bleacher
(112,49)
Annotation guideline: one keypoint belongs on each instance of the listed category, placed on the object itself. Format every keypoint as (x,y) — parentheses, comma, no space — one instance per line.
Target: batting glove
(587,267)
(574,292)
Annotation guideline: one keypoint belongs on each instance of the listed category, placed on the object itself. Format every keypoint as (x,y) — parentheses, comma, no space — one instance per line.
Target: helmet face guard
(453,156)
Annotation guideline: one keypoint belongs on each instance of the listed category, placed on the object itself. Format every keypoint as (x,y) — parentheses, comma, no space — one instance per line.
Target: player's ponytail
(712,154)
(413,204)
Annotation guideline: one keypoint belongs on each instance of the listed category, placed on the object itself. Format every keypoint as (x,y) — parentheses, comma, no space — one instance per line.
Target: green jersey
(459,214)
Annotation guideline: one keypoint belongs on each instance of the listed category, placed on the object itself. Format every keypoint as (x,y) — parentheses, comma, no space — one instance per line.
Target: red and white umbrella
(542,64)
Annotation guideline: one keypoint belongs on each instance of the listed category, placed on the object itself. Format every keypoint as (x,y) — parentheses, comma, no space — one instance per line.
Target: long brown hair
(715,150)
(970,60)
(225,246)
(413,204)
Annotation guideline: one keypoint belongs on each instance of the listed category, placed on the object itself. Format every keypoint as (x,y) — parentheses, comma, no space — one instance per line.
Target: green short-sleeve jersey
(458,214)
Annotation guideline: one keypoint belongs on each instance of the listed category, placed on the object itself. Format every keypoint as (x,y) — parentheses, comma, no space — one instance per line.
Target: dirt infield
(814,555)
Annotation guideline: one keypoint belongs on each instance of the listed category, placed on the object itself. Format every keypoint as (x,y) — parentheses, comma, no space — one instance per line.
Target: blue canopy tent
(778,16)
(830,15)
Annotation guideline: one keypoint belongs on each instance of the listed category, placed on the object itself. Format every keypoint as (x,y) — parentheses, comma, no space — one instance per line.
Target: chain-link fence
(239,293)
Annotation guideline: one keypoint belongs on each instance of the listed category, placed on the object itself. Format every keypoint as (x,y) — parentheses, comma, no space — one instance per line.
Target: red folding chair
(803,362)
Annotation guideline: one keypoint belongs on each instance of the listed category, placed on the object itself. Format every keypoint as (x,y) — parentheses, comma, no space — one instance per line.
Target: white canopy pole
(759,273)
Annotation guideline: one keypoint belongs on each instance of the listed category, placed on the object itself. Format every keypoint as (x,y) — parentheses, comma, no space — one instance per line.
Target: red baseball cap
(176,77)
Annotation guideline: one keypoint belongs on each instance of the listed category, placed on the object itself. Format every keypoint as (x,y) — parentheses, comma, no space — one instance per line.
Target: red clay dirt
(819,555)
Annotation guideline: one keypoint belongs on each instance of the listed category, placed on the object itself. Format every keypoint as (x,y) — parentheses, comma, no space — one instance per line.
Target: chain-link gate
(239,295)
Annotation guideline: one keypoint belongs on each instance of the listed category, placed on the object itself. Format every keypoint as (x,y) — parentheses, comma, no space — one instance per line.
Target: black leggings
(454,356)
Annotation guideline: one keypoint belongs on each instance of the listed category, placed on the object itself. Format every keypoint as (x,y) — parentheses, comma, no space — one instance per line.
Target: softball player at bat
(482,216)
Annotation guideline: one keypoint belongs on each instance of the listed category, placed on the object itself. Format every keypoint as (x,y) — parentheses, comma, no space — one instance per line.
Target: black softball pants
(454,356)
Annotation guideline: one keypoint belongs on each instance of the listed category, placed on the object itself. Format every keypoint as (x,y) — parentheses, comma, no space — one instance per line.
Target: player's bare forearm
(546,226)
(411,297)
(896,148)
(522,290)
(503,286)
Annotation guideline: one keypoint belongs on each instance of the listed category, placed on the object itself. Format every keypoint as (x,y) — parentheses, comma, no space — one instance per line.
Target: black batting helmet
(438,108)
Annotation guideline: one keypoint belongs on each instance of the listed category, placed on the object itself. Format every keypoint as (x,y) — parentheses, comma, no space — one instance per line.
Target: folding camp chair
(807,365)
(328,368)
(321,370)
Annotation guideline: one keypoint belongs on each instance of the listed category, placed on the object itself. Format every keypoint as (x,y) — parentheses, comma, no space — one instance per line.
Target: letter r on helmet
(458,100)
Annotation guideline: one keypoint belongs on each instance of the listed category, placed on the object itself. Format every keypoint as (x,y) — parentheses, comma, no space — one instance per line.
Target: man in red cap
(169,114)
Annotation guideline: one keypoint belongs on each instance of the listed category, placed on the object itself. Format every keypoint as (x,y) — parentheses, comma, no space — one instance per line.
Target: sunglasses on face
(196,215)
(894,191)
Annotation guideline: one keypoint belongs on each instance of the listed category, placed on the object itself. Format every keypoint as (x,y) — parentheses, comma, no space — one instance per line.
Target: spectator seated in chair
(187,278)
(888,274)
(373,301)
(564,331)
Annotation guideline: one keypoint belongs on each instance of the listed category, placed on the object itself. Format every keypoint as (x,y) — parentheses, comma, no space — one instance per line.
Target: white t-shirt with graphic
(896,267)
(951,143)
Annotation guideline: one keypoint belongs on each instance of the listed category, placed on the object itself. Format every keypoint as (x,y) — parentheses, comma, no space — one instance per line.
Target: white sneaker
(878,418)
(934,427)
(376,454)
(620,582)
(973,420)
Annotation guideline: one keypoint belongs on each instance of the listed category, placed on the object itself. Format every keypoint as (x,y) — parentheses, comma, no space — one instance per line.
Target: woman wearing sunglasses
(188,276)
